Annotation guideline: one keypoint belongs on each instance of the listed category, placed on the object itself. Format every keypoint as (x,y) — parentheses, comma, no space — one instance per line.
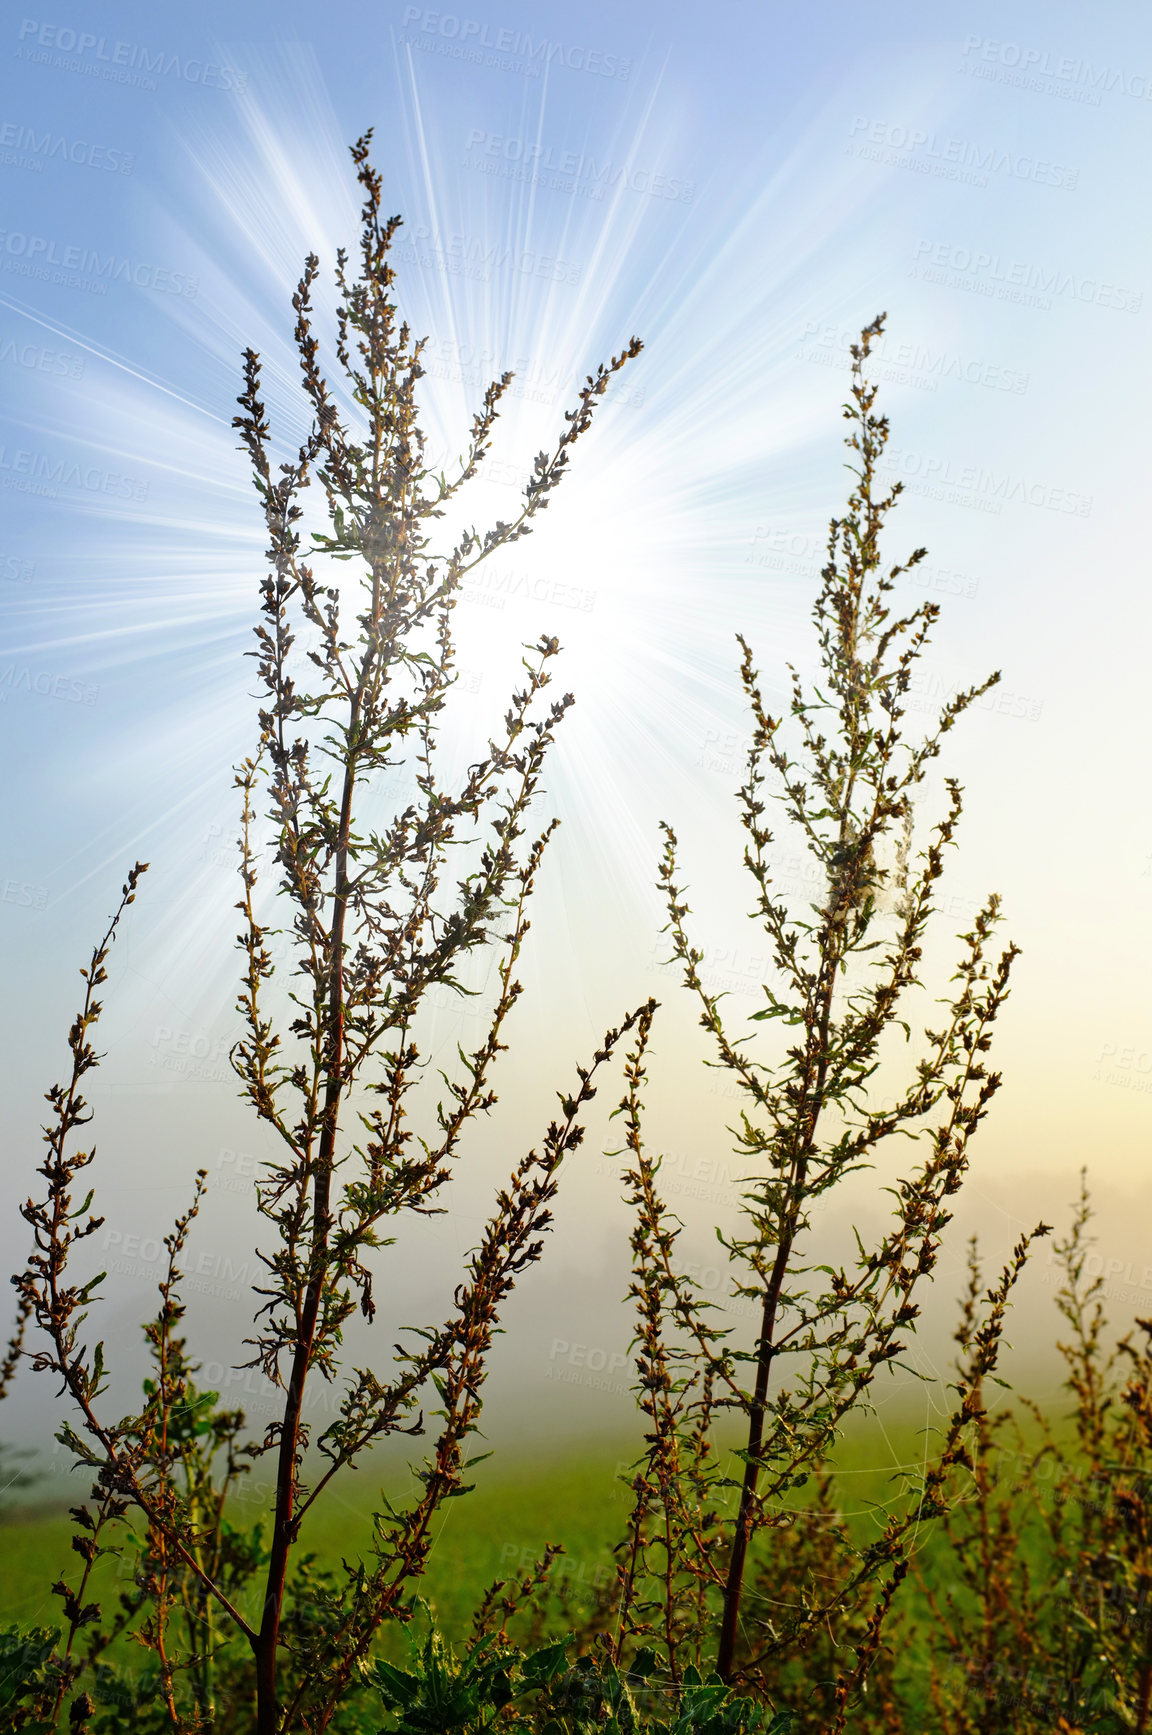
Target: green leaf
(394,1686)
(545,1664)
(67,1436)
(645,1663)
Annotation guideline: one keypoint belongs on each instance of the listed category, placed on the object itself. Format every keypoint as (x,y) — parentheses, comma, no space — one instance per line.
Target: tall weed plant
(742,1601)
(374,923)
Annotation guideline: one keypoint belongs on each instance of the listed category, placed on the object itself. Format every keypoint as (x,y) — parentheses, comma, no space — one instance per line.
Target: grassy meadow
(575,1495)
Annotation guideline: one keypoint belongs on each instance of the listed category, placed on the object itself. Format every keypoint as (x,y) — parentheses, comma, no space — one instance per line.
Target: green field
(491,1533)
(576,1498)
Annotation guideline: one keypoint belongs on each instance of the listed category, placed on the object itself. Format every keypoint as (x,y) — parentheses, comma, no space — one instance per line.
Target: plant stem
(765,1349)
(283,1532)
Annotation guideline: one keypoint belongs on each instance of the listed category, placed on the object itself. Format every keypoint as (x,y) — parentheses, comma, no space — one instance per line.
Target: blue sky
(744,186)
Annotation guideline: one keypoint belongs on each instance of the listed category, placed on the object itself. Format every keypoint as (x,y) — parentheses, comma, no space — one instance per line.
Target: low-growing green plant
(1041,1595)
